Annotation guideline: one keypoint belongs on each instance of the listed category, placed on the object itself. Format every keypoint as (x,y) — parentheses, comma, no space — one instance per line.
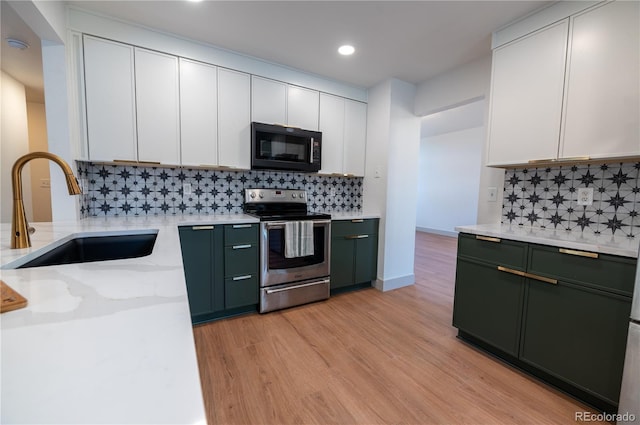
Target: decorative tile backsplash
(117,190)
(547,198)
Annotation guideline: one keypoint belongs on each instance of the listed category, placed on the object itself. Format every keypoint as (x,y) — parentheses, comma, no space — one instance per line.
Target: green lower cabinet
(577,334)
(488,304)
(202,257)
(559,314)
(241,291)
(221,269)
(354,253)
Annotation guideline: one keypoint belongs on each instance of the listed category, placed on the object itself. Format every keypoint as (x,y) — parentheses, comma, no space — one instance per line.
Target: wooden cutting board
(11,300)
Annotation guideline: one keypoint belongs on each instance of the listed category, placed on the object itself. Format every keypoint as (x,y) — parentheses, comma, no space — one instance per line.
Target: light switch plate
(492,194)
(585,196)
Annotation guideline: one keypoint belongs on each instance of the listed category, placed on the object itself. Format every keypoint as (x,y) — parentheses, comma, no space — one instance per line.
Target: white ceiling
(409,40)
(23,65)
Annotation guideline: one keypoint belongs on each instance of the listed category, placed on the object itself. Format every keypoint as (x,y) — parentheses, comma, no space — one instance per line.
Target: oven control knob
(261,195)
(293,195)
(253,195)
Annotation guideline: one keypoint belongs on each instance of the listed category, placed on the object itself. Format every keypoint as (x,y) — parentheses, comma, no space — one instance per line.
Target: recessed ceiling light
(346,50)
(17,44)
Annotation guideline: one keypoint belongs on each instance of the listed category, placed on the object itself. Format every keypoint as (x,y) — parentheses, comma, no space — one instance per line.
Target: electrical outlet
(492,194)
(585,196)
(332,192)
(186,188)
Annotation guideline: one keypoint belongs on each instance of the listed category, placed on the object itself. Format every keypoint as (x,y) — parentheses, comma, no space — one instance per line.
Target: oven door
(276,269)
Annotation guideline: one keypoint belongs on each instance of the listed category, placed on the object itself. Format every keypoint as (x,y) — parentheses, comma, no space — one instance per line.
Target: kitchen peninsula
(110,339)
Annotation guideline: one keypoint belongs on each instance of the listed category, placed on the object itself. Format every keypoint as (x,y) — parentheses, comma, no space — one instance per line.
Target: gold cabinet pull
(202,228)
(578,253)
(488,239)
(528,275)
(356,236)
(574,158)
(241,226)
(357,220)
(535,161)
(512,271)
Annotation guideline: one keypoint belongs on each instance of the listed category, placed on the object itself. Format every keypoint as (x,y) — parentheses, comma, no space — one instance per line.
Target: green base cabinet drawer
(488,304)
(241,291)
(577,334)
(240,259)
(237,234)
(496,251)
(354,227)
(607,272)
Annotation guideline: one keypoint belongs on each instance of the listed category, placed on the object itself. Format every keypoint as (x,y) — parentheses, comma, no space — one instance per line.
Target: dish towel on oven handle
(298,239)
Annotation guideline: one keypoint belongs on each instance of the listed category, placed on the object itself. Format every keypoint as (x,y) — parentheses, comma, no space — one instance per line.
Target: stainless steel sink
(86,249)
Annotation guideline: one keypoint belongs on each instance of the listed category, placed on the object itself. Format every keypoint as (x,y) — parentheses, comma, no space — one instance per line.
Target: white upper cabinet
(332,128)
(198,113)
(110,100)
(158,110)
(343,123)
(268,101)
(273,102)
(303,107)
(526,97)
(569,91)
(602,110)
(234,119)
(355,137)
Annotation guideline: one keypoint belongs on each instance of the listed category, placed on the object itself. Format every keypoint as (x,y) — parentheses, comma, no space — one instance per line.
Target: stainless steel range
(294,248)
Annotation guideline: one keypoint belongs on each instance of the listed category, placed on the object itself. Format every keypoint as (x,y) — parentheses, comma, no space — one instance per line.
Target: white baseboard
(437,232)
(395,283)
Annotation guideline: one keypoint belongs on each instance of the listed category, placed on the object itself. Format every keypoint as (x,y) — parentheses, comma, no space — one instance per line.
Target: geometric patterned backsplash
(120,190)
(547,198)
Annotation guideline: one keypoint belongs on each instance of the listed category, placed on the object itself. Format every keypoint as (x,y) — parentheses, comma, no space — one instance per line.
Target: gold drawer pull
(356,237)
(241,246)
(357,220)
(578,253)
(488,239)
(245,277)
(528,275)
(535,161)
(241,226)
(512,271)
(202,228)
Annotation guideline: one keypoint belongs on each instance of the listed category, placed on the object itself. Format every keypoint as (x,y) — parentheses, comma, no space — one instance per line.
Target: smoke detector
(17,44)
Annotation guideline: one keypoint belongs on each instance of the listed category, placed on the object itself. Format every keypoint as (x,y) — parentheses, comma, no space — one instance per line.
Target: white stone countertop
(353,215)
(584,241)
(102,342)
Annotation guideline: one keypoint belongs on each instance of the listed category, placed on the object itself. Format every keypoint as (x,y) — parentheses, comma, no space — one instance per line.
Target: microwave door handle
(311,151)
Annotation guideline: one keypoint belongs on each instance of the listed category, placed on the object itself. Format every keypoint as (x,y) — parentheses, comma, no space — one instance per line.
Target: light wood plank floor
(368,357)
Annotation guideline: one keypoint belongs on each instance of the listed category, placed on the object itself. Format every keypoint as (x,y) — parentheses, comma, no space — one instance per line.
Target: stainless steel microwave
(277,147)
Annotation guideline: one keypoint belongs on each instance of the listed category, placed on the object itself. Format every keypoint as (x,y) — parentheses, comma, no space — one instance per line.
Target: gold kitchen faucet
(19,227)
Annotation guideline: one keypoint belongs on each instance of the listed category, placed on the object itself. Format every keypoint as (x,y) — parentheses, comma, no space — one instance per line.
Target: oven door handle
(280,224)
(303,285)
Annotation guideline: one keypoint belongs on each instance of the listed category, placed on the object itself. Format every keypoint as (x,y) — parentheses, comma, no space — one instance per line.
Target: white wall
(448,180)
(41,196)
(393,145)
(462,86)
(457,87)
(14,143)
